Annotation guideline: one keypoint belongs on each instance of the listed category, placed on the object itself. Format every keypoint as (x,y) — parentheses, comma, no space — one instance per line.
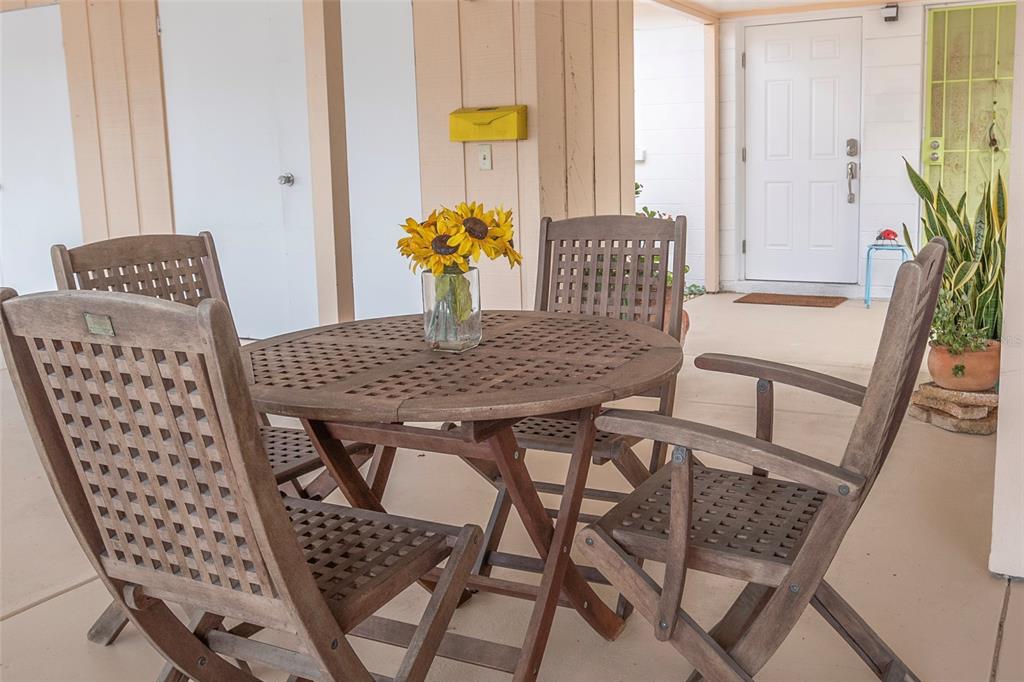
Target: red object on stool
(887,235)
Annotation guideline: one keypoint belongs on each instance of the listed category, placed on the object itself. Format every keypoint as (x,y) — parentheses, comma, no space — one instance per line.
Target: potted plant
(961,357)
(691,290)
(968,321)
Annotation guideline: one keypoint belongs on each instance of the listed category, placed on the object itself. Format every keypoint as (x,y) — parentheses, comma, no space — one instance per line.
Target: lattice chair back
(146,428)
(175,267)
(613,266)
(898,360)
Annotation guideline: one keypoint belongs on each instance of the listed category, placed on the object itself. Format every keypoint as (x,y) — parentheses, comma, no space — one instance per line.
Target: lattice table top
(529,364)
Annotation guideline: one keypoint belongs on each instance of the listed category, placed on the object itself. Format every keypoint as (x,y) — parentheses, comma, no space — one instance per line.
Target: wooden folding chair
(612,266)
(184,269)
(777,534)
(143,419)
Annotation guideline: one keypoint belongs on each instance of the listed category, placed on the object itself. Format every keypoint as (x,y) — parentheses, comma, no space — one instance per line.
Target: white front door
(803,102)
(38,185)
(235,83)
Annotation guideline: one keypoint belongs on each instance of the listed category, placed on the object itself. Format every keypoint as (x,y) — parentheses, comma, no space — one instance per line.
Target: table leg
(867,280)
(339,463)
(553,543)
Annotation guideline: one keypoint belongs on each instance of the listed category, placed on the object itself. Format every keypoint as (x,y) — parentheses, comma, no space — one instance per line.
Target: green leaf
(908,240)
(963,274)
(920,186)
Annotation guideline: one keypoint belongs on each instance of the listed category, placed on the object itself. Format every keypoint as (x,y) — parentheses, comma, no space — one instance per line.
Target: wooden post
(325,86)
(118,119)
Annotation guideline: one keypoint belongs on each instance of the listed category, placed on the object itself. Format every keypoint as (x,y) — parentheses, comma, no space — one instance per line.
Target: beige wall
(571,63)
(115,83)
(1007,555)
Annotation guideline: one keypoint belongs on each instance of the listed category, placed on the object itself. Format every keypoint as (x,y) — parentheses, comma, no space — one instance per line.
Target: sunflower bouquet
(443,246)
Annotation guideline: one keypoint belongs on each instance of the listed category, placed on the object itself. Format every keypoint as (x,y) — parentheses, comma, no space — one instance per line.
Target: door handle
(287,179)
(851,175)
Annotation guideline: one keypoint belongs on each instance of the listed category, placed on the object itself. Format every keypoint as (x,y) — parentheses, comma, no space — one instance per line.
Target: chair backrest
(897,361)
(613,266)
(175,267)
(142,416)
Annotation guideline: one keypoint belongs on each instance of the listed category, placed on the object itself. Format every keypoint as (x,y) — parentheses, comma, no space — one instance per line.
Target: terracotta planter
(970,371)
(668,314)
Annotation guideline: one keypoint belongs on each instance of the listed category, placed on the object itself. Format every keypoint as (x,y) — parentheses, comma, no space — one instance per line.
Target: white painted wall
(892,84)
(383,151)
(38,185)
(1007,554)
(236,120)
(669,90)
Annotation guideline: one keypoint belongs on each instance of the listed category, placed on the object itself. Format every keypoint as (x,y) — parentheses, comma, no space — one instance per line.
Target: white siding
(669,71)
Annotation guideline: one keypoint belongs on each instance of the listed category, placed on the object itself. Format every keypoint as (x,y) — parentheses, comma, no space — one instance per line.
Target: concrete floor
(913,564)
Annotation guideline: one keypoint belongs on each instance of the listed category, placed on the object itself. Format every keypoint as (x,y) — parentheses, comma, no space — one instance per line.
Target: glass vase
(451,309)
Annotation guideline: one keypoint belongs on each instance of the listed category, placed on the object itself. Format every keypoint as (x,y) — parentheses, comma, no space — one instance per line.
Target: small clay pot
(970,371)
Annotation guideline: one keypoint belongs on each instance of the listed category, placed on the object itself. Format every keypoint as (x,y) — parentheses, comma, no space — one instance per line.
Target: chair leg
(109,625)
(882,660)
(181,648)
(428,635)
(738,618)
(697,646)
(199,623)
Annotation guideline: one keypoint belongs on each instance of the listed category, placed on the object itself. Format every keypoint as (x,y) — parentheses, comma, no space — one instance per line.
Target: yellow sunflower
(429,245)
(480,230)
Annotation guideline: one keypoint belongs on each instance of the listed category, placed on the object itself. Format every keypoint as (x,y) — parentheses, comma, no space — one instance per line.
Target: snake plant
(976,260)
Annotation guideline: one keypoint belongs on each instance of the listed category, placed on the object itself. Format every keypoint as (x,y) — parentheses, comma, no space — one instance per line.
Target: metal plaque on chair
(99,324)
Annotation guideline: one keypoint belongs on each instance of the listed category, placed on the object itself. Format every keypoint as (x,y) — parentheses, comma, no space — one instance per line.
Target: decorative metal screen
(969,92)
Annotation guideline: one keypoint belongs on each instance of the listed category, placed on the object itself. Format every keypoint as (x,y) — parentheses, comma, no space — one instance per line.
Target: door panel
(803,90)
(237,120)
(38,186)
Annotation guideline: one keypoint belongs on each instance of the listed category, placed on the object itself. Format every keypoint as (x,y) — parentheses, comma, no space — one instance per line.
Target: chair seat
(360,557)
(558,435)
(743,526)
(292,454)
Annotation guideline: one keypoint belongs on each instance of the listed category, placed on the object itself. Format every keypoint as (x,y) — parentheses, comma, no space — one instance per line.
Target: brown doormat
(788,299)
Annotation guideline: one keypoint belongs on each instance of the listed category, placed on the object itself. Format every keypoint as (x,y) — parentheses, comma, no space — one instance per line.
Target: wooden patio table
(374,380)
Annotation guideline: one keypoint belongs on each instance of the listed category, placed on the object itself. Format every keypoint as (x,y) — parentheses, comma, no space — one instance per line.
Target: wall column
(571,63)
(116,92)
(1007,553)
(328,155)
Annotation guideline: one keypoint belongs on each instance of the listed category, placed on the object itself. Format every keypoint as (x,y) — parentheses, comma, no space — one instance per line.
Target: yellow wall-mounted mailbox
(475,124)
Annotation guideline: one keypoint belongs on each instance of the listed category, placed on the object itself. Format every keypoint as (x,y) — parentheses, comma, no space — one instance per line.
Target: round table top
(529,364)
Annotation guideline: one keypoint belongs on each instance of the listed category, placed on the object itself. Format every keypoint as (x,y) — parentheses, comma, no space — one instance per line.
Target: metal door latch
(851,175)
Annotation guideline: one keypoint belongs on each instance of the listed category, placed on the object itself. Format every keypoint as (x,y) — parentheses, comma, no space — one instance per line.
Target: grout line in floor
(999,632)
(42,600)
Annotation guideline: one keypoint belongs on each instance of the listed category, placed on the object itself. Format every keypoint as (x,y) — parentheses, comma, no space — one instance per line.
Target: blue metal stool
(881,246)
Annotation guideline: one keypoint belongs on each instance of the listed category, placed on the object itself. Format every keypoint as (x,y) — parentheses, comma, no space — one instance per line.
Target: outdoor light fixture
(891,12)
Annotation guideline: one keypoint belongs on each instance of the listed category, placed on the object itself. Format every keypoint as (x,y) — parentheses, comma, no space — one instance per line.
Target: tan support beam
(325,87)
(691,9)
(116,94)
(712,179)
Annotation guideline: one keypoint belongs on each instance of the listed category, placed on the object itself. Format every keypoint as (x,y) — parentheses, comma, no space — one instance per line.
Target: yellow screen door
(967,106)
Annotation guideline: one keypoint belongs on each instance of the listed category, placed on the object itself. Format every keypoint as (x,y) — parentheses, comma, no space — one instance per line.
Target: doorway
(803,128)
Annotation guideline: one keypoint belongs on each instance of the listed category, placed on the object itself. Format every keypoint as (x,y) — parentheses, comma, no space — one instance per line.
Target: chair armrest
(830,386)
(787,463)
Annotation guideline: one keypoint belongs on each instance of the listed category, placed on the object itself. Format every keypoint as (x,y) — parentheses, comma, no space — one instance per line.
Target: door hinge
(743,246)
(743,60)
(743,155)
(159,31)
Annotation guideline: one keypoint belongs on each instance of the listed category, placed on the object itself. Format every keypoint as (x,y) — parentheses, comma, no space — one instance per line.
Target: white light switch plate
(485,157)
